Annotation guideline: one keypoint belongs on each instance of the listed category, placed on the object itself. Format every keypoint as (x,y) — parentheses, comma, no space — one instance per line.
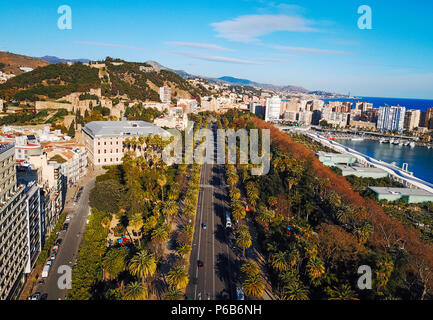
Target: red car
(200,264)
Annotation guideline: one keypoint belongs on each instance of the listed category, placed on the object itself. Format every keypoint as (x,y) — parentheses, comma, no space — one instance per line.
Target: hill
(113,76)
(11,63)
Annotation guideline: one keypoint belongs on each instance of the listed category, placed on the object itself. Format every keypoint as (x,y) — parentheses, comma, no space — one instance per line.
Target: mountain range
(13,62)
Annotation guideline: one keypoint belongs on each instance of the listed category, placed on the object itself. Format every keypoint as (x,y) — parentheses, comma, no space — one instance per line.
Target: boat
(358,139)
(412,144)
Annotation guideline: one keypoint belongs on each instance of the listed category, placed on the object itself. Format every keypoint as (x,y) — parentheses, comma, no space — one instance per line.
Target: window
(99,151)
(117,150)
(99,143)
(105,151)
(99,160)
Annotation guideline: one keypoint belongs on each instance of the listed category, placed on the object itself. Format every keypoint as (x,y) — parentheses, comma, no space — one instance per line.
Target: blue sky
(315,44)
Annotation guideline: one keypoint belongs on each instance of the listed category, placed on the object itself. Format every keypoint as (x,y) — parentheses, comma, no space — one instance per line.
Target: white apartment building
(273,109)
(165,94)
(104,140)
(391,118)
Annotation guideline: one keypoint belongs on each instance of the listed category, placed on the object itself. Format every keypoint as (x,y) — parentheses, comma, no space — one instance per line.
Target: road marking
(200,203)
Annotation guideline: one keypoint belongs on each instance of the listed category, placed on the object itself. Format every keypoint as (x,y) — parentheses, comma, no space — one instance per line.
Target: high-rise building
(13,227)
(391,118)
(412,119)
(273,109)
(165,94)
(429,118)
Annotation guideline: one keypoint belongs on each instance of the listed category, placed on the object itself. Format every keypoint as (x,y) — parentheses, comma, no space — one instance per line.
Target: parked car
(56,248)
(68,218)
(65,226)
(200,264)
(41,281)
(204,226)
(81,189)
(240,293)
(44,296)
(53,256)
(59,241)
(36,296)
(46,270)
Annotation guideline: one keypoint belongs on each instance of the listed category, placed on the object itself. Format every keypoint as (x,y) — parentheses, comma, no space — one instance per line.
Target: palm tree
(254,286)
(174,294)
(250,269)
(239,212)
(160,235)
(272,201)
(235,194)
(232,180)
(315,268)
(143,265)
(162,181)
(136,223)
(114,261)
(252,194)
(135,291)
(178,277)
(170,208)
(344,292)
(295,291)
(243,241)
(308,207)
(279,261)
(189,211)
(183,250)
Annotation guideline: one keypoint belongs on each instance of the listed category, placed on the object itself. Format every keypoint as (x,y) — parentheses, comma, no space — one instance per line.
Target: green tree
(135,291)
(143,265)
(178,277)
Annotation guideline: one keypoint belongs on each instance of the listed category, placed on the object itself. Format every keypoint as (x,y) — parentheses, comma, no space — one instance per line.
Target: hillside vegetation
(58,80)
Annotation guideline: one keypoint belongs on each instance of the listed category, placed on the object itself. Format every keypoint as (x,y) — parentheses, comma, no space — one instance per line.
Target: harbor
(400,174)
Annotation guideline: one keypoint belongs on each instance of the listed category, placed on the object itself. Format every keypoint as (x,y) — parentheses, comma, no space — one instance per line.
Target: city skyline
(307,44)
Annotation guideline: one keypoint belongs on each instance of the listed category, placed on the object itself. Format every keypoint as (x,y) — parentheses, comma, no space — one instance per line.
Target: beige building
(104,140)
(412,119)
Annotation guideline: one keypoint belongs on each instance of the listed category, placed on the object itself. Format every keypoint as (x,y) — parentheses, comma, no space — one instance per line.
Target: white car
(68,218)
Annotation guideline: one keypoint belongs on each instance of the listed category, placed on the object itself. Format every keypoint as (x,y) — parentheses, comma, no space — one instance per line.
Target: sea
(419,159)
(417,104)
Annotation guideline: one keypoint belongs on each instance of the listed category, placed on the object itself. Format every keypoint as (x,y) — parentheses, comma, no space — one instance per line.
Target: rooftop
(122,128)
(360,169)
(401,191)
(5,146)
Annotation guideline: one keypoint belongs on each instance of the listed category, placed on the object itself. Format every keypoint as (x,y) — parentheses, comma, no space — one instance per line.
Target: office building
(165,94)
(104,140)
(391,118)
(273,109)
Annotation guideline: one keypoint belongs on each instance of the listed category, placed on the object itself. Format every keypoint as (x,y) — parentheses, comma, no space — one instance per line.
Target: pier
(397,174)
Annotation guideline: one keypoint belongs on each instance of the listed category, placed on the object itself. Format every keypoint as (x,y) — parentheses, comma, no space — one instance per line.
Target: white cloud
(215,58)
(248,28)
(313,50)
(195,45)
(100,44)
(272,60)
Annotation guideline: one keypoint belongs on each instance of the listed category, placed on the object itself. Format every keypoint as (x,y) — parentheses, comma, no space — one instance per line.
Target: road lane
(71,240)
(211,246)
